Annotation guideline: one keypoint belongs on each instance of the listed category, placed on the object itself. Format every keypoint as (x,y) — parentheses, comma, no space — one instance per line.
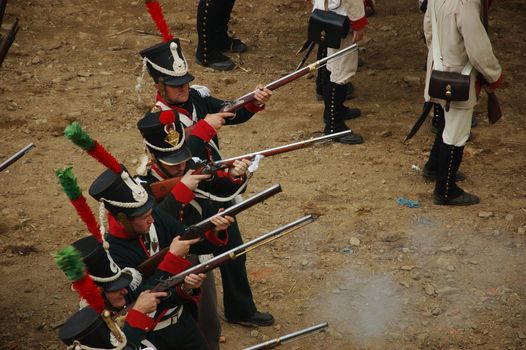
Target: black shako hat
(121,194)
(164,136)
(87,328)
(101,267)
(166,60)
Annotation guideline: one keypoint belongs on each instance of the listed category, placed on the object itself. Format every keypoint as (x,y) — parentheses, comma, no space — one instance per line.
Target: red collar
(179,109)
(117,230)
(158,172)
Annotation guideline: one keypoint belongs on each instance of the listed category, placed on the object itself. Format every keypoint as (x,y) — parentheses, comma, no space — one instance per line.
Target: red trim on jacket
(182,193)
(137,319)
(214,238)
(203,130)
(359,24)
(117,230)
(174,264)
(252,107)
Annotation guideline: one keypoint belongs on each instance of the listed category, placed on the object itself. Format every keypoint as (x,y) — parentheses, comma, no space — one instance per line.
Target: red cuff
(214,238)
(182,193)
(221,173)
(204,131)
(359,24)
(252,107)
(137,319)
(236,180)
(497,83)
(174,264)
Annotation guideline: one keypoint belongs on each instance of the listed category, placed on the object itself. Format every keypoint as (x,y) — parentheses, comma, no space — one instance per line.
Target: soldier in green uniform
(197,109)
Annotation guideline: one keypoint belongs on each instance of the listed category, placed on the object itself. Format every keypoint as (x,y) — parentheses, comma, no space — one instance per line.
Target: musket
(232,254)
(16,156)
(232,106)
(494,111)
(274,343)
(3,4)
(147,267)
(161,188)
(6,43)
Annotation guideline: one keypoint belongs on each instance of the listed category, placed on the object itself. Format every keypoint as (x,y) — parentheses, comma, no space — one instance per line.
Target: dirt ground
(384,276)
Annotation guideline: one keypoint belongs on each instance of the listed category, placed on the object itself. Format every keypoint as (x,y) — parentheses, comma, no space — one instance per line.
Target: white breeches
(458,126)
(343,67)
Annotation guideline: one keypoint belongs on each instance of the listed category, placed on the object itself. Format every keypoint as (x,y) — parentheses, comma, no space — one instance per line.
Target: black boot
(226,42)
(209,22)
(334,114)
(322,74)
(446,190)
(431,167)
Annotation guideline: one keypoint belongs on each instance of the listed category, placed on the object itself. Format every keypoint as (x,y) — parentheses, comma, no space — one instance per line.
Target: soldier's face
(117,299)
(175,170)
(141,224)
(177,94)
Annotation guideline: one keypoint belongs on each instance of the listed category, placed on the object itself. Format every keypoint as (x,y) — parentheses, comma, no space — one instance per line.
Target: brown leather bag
(449,86)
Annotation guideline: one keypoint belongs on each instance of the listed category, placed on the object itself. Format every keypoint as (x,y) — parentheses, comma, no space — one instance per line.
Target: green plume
(79,137)
(69,182)
(70,262)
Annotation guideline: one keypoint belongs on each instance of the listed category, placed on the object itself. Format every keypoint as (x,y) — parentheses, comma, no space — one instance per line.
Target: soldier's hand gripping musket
(147,267)
(161,188)
(238,103)
(229,255)
(274,343)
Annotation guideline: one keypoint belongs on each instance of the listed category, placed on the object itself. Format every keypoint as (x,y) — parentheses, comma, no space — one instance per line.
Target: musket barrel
(227,255)
(283,339)
(300,72)
(291,147)
(16,156)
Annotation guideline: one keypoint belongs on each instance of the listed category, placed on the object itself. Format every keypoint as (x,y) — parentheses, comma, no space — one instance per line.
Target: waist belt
(169,321)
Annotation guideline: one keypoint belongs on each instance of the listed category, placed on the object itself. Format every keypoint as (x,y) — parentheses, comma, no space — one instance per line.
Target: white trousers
(458,126)
(344,67)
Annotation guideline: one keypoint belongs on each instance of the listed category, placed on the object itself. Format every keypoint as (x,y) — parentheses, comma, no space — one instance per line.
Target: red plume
(89,291)
(103,156)
(87,216)
(167,117)
(155,10)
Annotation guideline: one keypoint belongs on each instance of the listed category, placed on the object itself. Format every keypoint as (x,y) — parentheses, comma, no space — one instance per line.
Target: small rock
(429,289)
(485,214)
(228,80)
(336,291)
(508,217)
(254,333)
(407,267)
(521,230)
(386,133)
(355,242)
(447,249)
(405,284)
(447,290)
(84,74)
(277,327)
(521,334)
(450,268)
(36,60)
(412,79)
(436,311)
(222,339)
(473,262)
(304,262)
